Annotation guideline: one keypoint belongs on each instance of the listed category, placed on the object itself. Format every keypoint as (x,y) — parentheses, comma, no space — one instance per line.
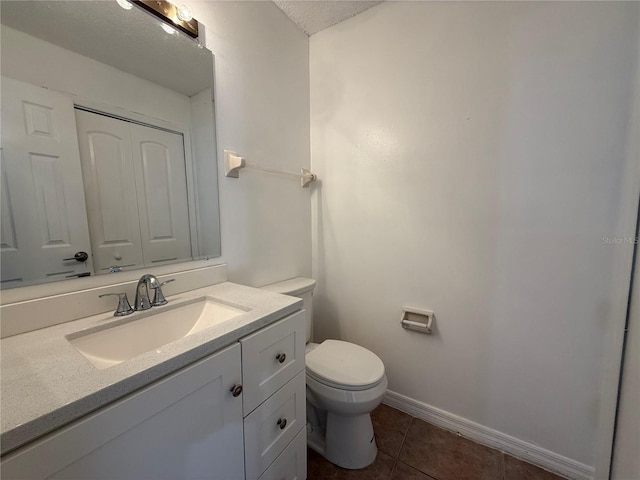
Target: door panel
(43,197)
(156,171)
(110,189)
(52,205)
(13,270)
(161,183)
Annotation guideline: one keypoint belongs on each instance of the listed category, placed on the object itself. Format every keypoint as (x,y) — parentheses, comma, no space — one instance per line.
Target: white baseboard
(492,438)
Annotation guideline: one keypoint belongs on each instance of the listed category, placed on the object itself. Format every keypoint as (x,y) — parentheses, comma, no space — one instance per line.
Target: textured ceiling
(315,15)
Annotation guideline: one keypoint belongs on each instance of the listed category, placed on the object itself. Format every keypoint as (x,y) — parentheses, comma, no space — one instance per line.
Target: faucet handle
(158,297)
(124,307)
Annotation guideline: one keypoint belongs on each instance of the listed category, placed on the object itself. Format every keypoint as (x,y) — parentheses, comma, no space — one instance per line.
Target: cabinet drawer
(292,463)
(272,426)
(272,357)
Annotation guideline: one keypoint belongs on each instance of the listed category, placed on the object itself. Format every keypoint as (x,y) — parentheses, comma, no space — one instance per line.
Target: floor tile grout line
(393,469)
(431,477)
(406,432)
(502,473)
(504,466)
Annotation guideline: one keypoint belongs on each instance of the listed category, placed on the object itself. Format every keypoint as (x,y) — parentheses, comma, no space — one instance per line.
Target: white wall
(471,158)
(262,112)
(206,172)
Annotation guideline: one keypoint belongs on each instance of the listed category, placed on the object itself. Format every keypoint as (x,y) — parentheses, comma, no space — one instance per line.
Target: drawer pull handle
(282,423)
(236,390)
(281,357)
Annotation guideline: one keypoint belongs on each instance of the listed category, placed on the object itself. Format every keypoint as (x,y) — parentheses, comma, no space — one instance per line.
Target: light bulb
(169,29)
(125,4)
(184,12)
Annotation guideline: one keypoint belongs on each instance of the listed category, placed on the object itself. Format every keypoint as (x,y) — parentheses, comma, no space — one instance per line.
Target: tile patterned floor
(410,449)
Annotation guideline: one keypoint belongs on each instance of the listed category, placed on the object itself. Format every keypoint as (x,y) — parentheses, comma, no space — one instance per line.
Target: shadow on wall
(325,313)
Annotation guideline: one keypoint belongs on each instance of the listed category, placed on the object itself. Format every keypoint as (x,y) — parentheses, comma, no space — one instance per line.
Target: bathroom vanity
(225,401)
(210,385)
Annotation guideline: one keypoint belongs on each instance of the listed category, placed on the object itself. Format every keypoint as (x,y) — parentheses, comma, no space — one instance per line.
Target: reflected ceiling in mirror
(130,40)
(89,161)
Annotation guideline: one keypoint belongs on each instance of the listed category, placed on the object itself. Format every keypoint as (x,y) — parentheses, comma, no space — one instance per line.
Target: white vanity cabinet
(192,423)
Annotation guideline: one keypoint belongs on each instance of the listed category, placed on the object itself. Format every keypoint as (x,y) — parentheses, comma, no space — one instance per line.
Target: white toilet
(345,382)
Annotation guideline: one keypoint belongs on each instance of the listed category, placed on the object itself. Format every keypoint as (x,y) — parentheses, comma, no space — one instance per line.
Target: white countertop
(46,383)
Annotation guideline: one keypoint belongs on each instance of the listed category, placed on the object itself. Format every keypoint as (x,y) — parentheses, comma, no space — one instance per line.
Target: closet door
(44,221)
(110,189)
(161,184)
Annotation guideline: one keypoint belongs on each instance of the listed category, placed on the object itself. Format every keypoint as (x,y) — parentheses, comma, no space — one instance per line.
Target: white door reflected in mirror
(136,190)
(44,222)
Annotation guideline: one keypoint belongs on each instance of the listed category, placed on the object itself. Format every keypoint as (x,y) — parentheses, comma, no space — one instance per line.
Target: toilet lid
(343,363)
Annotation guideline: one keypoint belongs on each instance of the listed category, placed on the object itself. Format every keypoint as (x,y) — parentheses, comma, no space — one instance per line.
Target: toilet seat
(344,366)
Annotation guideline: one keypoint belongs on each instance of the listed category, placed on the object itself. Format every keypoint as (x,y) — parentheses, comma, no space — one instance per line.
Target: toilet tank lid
(293,286)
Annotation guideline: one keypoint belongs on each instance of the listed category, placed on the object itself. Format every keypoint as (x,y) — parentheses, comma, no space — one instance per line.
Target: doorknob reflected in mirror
(78,257)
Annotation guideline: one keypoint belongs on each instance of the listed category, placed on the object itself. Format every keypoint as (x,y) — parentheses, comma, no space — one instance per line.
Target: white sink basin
(153,329)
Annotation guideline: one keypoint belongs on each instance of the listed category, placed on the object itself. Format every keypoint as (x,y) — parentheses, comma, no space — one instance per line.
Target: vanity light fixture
(178,17)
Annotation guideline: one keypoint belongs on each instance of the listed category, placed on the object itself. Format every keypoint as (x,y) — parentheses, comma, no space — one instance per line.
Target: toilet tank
(298,287)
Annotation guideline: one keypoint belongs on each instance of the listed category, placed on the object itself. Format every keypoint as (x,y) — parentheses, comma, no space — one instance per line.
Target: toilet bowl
(345,382)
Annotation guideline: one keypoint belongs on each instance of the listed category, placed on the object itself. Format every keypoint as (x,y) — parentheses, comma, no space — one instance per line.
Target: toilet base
(350,442)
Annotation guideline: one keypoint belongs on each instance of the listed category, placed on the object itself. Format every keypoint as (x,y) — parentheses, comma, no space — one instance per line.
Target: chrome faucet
(142,301)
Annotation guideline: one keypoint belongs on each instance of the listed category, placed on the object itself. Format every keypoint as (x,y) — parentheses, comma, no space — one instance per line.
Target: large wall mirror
(108,142)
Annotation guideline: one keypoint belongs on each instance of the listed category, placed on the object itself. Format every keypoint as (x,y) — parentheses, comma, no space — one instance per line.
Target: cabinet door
(110,188)
(44,219)
(186,426)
